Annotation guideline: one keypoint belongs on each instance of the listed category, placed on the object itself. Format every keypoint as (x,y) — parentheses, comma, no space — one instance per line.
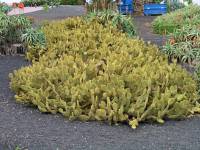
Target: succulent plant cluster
(89,71)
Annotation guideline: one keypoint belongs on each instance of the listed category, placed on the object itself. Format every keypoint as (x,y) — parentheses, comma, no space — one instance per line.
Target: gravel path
(58,13)
(144,29)
(29,129)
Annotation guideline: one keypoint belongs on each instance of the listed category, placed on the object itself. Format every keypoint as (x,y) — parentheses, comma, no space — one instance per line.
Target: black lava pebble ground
(26,128)
(60,12)
(144,30)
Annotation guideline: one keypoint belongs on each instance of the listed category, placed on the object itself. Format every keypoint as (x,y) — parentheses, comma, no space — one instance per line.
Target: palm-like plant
(121,22)
(33,37)
(185,46)
(17,29)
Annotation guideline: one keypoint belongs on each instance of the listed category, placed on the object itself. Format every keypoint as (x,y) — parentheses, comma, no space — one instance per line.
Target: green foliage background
(184,45)
(94,72)
(123,23)
(176,20)
(18,29)
(12,27)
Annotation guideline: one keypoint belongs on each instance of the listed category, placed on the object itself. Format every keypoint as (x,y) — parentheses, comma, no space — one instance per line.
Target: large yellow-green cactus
(89,72)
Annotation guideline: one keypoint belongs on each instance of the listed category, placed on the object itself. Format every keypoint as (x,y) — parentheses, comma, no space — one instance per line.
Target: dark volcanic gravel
(143,24)
(27,128)
(60,12)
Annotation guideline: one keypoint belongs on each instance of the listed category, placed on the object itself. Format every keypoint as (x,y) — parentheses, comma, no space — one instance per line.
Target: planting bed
(27,128)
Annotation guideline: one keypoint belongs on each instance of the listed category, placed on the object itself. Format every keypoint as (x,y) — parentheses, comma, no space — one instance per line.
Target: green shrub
(100,5)
(176,20)
(33,37)
(123,23)
(5,8)
(184,45)
(93,72)
(11,27)
(174,5)
(17,29)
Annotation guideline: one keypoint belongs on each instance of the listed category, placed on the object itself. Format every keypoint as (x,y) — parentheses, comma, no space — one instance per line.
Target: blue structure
(126,7)
(155,9)
(128,2)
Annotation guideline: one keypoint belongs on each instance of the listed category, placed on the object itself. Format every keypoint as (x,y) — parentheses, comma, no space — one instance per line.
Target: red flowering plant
(21,5)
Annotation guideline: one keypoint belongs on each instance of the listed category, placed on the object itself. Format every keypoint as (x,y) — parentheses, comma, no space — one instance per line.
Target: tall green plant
(18,29)
(33,37)
(99,5)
